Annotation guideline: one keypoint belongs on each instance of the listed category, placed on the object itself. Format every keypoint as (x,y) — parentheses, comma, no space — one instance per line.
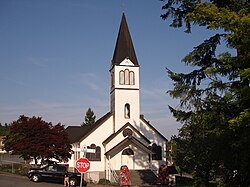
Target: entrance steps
(142,178)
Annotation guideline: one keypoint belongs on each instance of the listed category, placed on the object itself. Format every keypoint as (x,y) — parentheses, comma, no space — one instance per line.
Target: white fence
(6,158)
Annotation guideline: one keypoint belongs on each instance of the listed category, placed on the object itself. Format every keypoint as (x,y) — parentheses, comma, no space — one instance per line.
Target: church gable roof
(112,136)
(78,133)
(152,127)
(124,46)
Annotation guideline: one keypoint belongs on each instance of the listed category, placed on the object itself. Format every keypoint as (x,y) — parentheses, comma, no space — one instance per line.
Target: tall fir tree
(214,141)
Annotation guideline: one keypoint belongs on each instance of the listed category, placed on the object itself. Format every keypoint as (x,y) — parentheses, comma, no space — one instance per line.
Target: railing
(153,169)
(113,174)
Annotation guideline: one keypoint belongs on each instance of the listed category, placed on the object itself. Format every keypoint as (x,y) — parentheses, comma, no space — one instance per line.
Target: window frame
(121,77)
(157,151)
(126,77)
(94,156)
(127,111)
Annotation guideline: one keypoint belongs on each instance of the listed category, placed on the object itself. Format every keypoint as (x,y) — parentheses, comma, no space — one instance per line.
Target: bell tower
(124,81)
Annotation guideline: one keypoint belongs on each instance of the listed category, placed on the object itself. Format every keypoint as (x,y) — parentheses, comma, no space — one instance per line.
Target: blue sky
(55,58)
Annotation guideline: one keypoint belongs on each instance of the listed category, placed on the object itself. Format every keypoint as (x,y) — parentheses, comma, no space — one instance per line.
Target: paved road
(9,180)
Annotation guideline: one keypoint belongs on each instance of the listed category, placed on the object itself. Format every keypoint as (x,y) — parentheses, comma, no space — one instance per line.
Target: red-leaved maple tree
(33,138)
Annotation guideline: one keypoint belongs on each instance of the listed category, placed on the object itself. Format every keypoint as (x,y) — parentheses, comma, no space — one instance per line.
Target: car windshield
(50,168)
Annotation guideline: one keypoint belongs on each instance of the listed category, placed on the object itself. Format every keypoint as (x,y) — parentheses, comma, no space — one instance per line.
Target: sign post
(82,166)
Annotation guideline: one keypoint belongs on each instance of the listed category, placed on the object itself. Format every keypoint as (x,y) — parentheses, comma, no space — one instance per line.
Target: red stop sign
(82,165)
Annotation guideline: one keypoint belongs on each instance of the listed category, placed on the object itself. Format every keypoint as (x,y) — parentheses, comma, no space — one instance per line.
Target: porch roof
(126,142)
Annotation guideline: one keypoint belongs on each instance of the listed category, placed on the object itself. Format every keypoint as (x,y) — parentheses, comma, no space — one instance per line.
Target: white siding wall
(123,97)
(115,161)
(154,138)
(151,135)
(97,137)
(141,159)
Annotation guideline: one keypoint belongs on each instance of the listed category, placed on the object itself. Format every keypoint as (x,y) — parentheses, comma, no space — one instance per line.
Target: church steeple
(124,46)
(124,76)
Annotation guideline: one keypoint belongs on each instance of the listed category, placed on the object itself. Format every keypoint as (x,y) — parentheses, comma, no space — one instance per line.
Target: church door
(128,158)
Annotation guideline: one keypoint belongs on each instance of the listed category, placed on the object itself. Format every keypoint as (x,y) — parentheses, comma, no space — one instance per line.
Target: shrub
(19,169)
(104,181)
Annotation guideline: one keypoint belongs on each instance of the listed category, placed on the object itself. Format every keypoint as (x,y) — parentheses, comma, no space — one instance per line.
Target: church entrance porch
(128,158)
(130,152)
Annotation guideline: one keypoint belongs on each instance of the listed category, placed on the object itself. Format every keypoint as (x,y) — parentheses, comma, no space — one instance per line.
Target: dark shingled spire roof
(124,46)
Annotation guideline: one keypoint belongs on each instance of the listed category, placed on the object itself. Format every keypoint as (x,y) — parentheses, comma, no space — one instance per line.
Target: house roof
(77,133)
(121,129)
(152,127)
(124,46)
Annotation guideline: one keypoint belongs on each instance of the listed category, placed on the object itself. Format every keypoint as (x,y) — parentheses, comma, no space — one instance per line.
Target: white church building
(122,136)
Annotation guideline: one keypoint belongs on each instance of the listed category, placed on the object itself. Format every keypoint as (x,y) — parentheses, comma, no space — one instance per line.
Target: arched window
(126,77)
(128,151)
(157,152)
(95,155)
(127,111)
(131,78)
(121,78)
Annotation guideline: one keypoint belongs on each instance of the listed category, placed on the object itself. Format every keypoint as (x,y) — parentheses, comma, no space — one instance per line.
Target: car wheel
(72,182)
(35,178)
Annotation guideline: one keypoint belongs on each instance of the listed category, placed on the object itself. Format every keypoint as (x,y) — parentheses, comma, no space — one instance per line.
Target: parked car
(53,173)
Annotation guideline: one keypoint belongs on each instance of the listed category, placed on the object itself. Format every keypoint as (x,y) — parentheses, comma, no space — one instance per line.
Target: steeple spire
(124,46)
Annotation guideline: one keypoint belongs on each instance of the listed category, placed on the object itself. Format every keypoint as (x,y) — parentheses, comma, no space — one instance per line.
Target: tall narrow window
(126,76)
(112,79)
(131,78)
(121,77)
(127,111)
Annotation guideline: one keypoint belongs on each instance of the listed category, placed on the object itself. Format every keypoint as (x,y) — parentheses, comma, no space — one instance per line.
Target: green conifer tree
(214,97)
(89,118)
